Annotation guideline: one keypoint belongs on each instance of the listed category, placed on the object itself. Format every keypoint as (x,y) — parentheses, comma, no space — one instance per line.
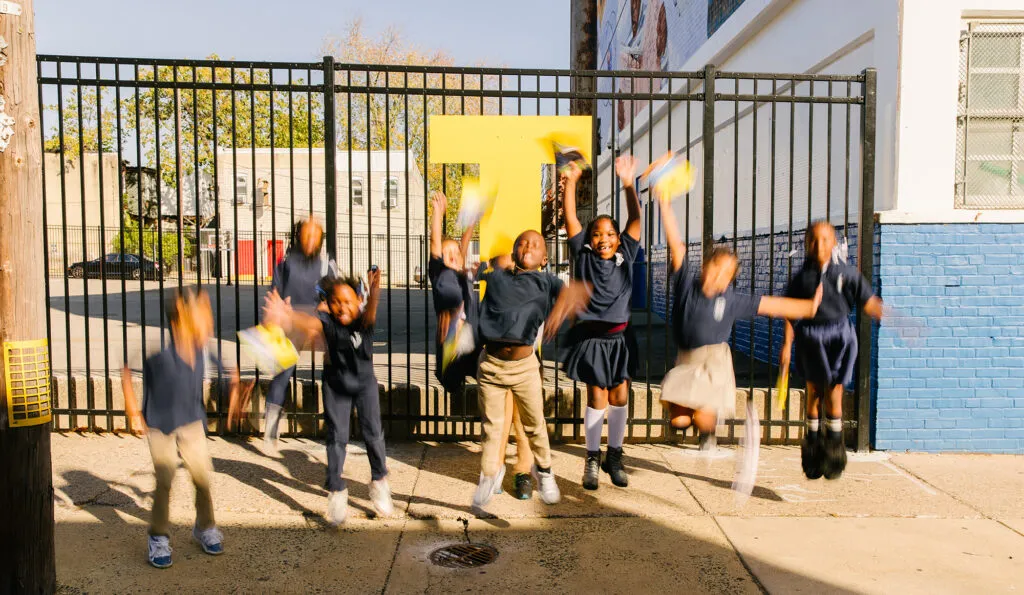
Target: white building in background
(948,177)
(266,190)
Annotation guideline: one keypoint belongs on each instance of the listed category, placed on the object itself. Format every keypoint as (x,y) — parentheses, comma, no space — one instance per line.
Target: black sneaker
(591,470)
(613,466)
(835,456)
(524,486)
(707,442)
(812,455)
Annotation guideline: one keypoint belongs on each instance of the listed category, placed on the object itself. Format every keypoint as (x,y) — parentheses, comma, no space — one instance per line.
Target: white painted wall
(916,119)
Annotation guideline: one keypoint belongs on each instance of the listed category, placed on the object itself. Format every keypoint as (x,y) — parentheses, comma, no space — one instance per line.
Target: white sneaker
(546,485)
(380,495)
(487,487)
(337,507)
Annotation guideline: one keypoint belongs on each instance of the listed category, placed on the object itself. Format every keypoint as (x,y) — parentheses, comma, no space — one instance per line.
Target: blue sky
(517,33)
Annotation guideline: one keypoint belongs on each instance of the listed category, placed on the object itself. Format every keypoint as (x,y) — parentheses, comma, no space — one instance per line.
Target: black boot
(835,455)
(812,455)
(591,470)
(613,466)
(524,486)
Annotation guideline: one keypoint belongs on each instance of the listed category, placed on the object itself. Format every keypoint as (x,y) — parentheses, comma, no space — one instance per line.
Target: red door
(245,262)
(272,262)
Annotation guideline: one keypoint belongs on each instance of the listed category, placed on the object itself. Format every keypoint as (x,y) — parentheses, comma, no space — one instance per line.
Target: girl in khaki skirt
(701,389)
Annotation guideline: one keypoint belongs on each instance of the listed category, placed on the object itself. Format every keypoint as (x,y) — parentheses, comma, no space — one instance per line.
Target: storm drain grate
(463,555)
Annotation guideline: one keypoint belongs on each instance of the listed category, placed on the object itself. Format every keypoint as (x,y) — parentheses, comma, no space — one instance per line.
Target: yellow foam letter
(509,150)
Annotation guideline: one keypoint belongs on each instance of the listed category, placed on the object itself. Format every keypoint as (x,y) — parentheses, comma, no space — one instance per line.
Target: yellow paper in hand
(269,348)
(672,177)
(477,201)
(782,390)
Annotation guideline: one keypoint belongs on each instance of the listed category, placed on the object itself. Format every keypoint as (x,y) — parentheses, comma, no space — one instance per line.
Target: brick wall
(950,358)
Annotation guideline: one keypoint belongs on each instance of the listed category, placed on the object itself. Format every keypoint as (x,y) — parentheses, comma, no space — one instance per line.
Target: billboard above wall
(650,35)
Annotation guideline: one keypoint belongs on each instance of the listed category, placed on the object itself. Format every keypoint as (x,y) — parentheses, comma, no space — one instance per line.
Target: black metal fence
(202,166)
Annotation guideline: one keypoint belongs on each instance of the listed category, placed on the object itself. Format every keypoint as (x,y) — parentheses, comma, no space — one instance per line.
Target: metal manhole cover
(463,555)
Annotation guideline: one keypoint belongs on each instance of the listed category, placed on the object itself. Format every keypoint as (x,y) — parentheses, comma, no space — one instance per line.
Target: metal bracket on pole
(7,7)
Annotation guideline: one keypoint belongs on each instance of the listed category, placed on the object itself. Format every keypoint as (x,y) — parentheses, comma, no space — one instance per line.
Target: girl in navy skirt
(826,346)
(295,279)
(701,388)
(599,353)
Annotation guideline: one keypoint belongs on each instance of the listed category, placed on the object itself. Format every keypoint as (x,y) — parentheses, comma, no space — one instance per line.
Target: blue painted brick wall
(950,357)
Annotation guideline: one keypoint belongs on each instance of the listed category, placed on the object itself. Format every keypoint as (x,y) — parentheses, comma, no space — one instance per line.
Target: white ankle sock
(835,425)
(616,425)
(594,421)
(813,424)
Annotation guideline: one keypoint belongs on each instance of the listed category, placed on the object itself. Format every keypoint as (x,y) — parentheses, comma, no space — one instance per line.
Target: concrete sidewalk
(905,523)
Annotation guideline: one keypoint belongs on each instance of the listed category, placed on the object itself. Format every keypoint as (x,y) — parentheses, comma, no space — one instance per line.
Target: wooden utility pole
(26,483)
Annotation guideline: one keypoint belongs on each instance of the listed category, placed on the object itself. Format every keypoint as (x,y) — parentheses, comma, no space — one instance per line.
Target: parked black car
(113,267)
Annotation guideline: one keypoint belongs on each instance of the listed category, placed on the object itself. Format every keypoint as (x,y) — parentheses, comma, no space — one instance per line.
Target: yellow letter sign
(510,150)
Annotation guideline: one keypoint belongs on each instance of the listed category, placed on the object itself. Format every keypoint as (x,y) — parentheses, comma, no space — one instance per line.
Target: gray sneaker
(487,487)
(547,486)
(337,507)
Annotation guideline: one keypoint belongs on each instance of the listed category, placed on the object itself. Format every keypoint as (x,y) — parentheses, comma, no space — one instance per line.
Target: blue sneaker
(159,551)
(209,539)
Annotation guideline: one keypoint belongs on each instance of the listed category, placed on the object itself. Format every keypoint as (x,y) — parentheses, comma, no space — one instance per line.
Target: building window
(392,200)
(990,116)
(357,192)
(242,194)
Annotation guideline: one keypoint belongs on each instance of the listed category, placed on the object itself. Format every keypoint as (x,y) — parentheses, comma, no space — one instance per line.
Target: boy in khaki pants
(519,299)
(173,415)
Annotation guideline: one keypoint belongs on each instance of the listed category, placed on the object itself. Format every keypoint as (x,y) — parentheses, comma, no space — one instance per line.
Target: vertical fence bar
(707,236)
(330,160)
(217,245)
(46,229)
(865,257)
(107,395)
(89,394)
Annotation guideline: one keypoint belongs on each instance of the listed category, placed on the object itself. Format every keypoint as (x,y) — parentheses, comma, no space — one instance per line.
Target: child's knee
(681,422)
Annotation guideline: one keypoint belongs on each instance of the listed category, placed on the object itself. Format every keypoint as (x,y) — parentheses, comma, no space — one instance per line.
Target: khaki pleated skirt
(703,378)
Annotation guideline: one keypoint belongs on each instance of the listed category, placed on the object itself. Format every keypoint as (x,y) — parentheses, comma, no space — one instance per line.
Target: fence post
(865,256)
(330,161)
(707,236)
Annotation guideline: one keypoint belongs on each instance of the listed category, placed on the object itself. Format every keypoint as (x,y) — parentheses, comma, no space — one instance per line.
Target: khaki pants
(522,377)
(190,441)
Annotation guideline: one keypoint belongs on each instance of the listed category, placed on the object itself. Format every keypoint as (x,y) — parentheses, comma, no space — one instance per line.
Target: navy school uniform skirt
(599,354)
(826,352)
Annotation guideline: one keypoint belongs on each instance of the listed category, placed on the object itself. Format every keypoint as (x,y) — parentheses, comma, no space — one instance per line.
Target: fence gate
(162,173)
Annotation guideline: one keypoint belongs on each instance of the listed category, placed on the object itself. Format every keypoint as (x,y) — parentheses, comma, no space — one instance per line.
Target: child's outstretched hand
(625,168)
(572,172)
(276,312)
(373,277)
(439,201)
(573,298)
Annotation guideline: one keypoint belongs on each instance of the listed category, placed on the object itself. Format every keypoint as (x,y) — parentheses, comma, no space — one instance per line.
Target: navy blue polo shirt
(452,289)
(296,277)
(612,279)
(843,289)
(516,304)
(698,320)
(173,390)
(350,353)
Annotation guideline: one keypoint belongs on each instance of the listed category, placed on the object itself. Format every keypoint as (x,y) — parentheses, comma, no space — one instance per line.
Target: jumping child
(295,279)
(826,346)
(345,331)
(455,302)
(599,353)
(517,301)
(173,414)
(701,388)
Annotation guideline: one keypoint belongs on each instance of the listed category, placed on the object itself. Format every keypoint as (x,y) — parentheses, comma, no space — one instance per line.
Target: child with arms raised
(598,350)
(344,328)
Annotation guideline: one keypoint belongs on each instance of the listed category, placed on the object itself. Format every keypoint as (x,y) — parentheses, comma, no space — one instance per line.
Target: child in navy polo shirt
(826,345)
(517,301)
(295,279)
(344,328)
(701,388)
(456,303)
(174,414)
(599,353)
